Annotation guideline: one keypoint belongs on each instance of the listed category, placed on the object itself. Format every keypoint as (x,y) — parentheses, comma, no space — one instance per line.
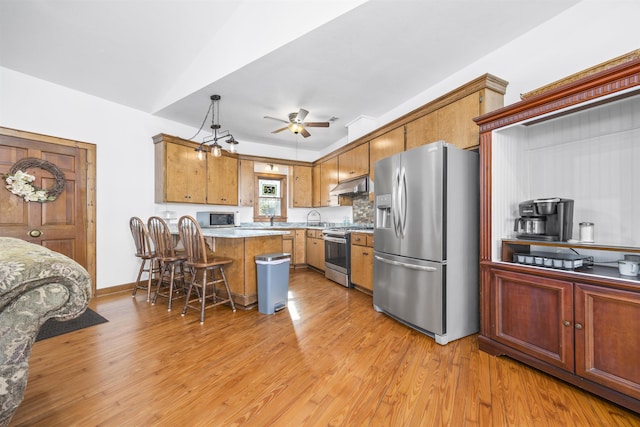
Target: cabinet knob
(35,233)
(365,253)
(567,323)
(578,326)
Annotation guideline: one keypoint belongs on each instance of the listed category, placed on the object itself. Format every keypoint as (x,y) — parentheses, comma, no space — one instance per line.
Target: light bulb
(216,151)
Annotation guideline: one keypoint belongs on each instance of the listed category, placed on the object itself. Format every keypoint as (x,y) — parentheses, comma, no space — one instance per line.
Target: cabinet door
(353,163)
(533,314)
(300,247)
(301,186)
(246,183)
(287,247)
(184,175)
(328,181)
(607,332)
(455,122)
(385,145)
(423,130)
(315,253)
(316,190)
(222,180)
(362,266)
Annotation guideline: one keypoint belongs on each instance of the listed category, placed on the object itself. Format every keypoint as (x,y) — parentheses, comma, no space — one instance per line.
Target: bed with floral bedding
(36,284)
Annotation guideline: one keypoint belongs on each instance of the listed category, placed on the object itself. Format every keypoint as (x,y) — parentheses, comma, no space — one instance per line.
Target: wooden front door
(61,225)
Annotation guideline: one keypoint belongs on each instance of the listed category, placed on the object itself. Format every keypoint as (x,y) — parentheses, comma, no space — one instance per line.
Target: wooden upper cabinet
(385,145)
(300,186)
(180,177)
(316,187)
(246,183)
(328,180)
(455,122)
(423,130)
(353,163)
(222,180)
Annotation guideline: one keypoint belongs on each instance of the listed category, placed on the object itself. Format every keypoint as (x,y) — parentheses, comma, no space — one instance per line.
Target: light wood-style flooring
(328,360)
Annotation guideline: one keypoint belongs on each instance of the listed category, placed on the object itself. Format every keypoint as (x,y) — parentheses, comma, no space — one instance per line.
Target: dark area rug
(53,327)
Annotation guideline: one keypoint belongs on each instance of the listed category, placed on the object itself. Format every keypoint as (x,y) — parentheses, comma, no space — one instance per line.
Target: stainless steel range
(337,253)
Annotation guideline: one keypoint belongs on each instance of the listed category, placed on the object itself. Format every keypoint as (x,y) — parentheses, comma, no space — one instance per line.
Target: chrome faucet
(271,219)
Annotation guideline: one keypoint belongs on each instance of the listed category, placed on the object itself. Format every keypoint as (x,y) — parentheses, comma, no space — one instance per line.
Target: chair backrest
(192,239)
(161,237)
(140,237)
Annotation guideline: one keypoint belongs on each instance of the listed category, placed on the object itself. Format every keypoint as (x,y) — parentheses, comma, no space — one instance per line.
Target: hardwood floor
(329,359)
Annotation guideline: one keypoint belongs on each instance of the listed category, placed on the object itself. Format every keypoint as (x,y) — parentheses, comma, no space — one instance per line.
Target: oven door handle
(335,239)
(403,264)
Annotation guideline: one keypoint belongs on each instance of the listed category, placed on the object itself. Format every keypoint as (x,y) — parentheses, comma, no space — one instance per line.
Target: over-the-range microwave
(216,219)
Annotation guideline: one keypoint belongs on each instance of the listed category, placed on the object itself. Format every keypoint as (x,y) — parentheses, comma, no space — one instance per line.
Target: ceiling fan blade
(279,130)
(317,124)
(305,133)
(275,118)
(301,115)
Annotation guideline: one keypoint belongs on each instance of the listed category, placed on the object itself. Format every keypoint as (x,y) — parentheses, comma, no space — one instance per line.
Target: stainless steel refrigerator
(426,240)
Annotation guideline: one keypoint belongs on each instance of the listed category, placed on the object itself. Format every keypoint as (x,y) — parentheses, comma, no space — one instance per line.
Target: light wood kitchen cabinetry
(222,180)
(424,130)
(300,185)
(362,261)
(579,326)
(354,163)
(246,182)
(384,146)
(316,186)
(315,249)
(328,181)
(180,177)
(294,243)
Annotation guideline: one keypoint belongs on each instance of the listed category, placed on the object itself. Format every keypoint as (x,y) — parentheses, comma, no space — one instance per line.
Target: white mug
(628,268)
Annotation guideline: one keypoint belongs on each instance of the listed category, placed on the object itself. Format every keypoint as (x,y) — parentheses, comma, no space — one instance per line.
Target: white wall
(587,34)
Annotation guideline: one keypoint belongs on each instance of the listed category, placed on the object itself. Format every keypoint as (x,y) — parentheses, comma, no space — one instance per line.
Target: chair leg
(171,278)
(226,285)
(152,269)
(186,300)
(204,295)
(135,288)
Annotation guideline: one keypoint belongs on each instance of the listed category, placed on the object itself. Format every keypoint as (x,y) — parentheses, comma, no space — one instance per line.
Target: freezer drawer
(411,290)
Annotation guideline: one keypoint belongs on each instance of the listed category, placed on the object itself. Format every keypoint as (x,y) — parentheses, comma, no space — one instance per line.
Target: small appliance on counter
(545,219)
(216,219)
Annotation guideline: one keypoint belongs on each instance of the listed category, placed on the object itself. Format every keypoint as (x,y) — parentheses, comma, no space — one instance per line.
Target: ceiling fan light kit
(297,125)
(216,149)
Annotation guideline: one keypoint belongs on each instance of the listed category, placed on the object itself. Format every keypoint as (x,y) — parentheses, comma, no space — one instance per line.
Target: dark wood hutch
(580,326)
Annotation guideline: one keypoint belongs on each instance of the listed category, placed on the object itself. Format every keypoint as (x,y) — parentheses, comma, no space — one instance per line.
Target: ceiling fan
(297,125)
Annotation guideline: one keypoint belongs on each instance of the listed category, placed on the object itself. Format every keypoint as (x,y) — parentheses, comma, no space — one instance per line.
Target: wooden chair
(200,263)
(170,262)
(145,252)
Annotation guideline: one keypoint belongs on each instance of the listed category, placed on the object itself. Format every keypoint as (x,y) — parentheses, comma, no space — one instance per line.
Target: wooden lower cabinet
(362,261)
(530,313)
(584,333)
(315,249)
(607,337)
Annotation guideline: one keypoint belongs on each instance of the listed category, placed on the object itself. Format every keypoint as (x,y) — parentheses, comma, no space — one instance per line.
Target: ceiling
(342,58)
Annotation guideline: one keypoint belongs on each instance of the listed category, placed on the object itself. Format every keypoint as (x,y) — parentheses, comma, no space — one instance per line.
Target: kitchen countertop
(235,233)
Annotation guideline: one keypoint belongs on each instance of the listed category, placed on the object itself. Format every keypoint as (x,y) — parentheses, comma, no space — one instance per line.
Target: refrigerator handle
(403,264)
(395,212)
(403,200)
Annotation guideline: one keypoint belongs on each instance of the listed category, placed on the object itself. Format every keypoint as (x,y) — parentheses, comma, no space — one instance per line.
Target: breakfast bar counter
(242,246)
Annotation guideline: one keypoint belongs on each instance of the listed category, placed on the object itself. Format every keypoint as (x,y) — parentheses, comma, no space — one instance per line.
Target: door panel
(411,290)
(61,223)
(424,180)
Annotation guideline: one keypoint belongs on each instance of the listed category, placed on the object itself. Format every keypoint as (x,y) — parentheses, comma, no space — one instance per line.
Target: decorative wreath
(19,182)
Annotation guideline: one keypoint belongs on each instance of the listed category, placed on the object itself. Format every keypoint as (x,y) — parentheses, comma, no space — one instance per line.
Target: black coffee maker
(545,219)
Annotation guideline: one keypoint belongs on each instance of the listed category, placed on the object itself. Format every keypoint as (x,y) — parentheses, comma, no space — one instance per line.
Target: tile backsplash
(362,209)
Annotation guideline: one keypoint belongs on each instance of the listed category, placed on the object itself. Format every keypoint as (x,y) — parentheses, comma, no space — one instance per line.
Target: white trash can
(273,281)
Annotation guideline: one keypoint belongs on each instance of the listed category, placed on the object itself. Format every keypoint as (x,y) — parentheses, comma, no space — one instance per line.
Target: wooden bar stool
(144,251)
(200,264)
(171,262)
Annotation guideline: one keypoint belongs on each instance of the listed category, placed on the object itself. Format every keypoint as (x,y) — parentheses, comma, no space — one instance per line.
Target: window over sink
(271,198)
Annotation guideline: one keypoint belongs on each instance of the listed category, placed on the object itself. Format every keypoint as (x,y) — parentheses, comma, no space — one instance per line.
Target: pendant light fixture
(216,149)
